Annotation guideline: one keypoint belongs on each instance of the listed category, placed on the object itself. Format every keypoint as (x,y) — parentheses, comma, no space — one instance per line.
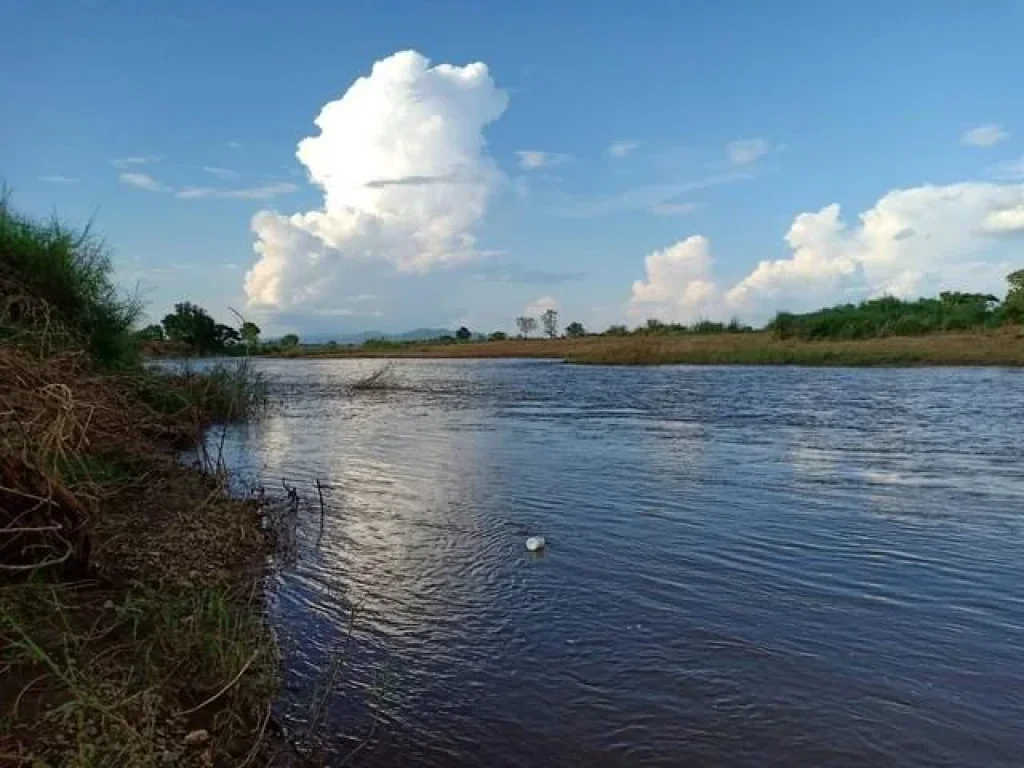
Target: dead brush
(379,380)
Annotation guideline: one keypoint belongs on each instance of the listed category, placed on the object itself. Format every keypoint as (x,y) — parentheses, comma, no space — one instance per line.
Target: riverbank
(1003,347)
(132,631)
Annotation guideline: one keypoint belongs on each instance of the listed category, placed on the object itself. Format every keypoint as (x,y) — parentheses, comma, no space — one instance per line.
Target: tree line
(889,316)
(192,326)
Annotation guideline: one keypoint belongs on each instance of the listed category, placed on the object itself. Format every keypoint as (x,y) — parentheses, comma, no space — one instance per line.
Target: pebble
(197,737)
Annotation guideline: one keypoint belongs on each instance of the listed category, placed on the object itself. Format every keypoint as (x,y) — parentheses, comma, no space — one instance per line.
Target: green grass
(58,289)
(224,392)
(200,659)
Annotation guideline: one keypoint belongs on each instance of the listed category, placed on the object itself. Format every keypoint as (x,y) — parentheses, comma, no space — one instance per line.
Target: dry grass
(1002,347)
(128,582)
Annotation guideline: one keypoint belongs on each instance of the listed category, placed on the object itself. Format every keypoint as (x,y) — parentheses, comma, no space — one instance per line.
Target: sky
(328,168)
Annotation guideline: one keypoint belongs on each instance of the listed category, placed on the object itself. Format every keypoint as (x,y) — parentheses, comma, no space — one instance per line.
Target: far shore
(1003,347)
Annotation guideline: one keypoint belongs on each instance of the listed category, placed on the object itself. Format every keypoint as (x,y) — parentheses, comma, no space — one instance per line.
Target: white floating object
(535,543)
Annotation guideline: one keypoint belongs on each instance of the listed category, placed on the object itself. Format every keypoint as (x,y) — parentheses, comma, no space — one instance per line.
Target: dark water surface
(746,566)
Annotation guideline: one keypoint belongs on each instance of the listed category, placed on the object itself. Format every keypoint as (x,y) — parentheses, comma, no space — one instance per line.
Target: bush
(57,283)
(889,316)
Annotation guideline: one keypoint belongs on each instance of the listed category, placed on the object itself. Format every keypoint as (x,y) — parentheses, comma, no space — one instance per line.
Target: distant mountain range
(417,334)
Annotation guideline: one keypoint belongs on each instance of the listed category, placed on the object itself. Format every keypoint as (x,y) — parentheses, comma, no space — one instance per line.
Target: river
(745,566)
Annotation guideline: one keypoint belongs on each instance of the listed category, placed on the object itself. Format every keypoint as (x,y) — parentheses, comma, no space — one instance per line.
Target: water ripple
(745,566)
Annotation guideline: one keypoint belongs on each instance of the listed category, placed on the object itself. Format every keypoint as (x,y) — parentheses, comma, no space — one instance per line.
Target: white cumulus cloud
(541,305)
(984,136)
(1005,222)
(912,242)
(679,286)
(406,178)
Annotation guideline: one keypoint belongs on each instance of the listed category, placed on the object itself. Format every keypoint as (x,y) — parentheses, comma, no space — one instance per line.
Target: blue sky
(615,160)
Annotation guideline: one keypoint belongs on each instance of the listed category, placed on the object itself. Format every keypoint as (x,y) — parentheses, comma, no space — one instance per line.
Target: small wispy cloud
(531,159)
(221,173)
(1012,170)
(131,162)
(748,151)
(674,209)
(143,181)
(640,198)
(987,135)
(235,144)
(59,179)
(515,273)
(264,192)
(621,148)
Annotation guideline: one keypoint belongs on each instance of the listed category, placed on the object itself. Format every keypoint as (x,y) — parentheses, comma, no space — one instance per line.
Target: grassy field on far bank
(1004,346)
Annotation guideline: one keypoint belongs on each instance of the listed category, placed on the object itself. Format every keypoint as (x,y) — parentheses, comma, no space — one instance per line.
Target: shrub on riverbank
(57,291)
(889,316)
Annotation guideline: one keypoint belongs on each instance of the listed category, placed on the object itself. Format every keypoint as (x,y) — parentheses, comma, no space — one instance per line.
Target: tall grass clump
(224,392)
(58,290)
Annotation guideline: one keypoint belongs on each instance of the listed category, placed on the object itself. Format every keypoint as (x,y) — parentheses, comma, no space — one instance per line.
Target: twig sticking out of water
(320,493)
(380,379)
(321,697)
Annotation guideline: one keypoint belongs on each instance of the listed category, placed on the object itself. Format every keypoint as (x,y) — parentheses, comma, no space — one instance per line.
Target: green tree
(151,333)
(575,330)
(226,336)
(463,334)
(527,325)
(550,322)
(1015,296)
(617,330)
(289,340)
(190,323)
(250,334)
(498,336)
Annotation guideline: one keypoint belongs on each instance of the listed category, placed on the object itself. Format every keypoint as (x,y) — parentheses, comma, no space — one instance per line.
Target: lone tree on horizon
(575,330)
(550,321)
(1015,296)
(526,325)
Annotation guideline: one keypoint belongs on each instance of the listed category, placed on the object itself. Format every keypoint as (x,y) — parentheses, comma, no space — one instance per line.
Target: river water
(745,566)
